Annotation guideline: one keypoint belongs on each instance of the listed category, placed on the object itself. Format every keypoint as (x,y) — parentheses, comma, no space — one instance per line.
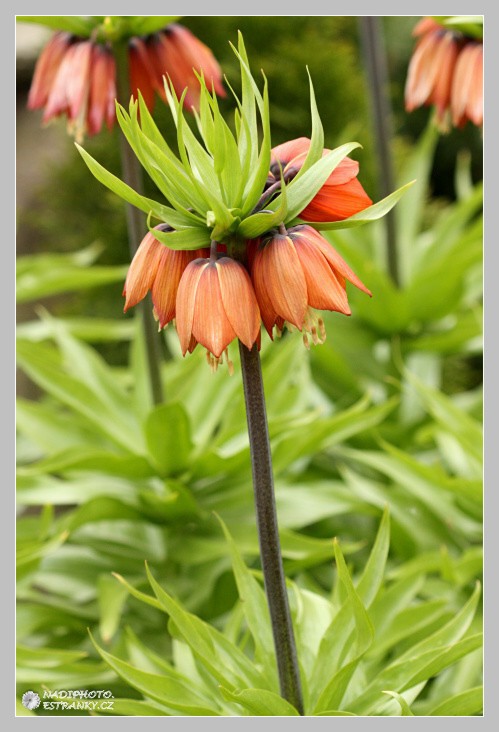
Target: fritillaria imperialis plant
(235,244)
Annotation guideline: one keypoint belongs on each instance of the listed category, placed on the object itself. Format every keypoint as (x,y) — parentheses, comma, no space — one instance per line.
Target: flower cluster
(281,278)
(76,77)
(446,70)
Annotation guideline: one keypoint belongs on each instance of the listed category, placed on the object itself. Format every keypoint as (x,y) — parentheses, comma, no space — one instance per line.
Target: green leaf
(42,275)
(334,690)
(374,571)
(404,707)
(367,215)
(168,438)
(424,659)
(147,599)
(260,702)
(133,708)
(77,24)
(224,660)
(94,330)
(47,657)
(466,429)
(185,239)
(111,597)
(317,138)
(159,211)
(255,609)
(92,459)
(258,172)
(324,433)
(143,25)
(465,704)
(170,689)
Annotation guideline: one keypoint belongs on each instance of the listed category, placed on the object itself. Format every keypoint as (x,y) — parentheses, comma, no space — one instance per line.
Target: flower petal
(46,69)
(210,324)
(142,271)
(142,74)
(186,299)
(289,150)
(268,313)
(422,71)
(325,292)
(170,268)
(334,259)
(98,99)
(239,300)
(284,280)
(335,203)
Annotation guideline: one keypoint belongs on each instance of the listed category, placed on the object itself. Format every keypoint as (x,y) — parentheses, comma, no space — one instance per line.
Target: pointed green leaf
(374,571)
(111,598)
(317,138)
(159,211)
(78,24)
(255,608)
(224,660)
(169,688)
(147,599)
(404,707)
(465,704)
(334,690)
(185,239)
(260,702)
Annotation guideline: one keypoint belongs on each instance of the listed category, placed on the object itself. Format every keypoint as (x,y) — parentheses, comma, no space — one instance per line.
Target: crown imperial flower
(76,77)
(446,71)
(295,271)
(215,304)
(341,195)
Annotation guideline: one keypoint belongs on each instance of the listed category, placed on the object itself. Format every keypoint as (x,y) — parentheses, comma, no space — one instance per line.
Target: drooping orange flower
(76,77)
(176,53)
(295,272)
(341,195)
(446,71)
(467,86)
(158,269)
(215,304)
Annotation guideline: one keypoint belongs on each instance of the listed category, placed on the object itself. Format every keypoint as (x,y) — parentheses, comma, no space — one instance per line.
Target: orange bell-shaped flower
(341,195)
(215,304)
(295,272)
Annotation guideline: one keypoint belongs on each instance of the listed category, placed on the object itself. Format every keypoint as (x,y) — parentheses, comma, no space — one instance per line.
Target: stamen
(230,365)
(313,325)
(322,329)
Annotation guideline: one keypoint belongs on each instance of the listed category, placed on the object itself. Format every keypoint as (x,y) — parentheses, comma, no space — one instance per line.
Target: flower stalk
(132,175)
(375,62)
(268,533)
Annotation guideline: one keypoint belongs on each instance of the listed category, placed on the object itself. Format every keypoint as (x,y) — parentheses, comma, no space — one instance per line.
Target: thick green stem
(376,67)
(268,533)
(132,175)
